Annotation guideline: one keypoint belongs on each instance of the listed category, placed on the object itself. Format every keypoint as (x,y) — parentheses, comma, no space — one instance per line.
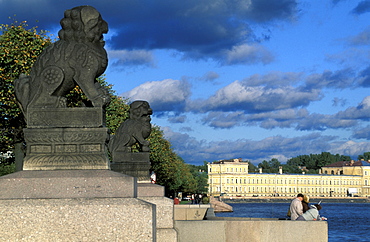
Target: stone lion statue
(78,57)
(134,130)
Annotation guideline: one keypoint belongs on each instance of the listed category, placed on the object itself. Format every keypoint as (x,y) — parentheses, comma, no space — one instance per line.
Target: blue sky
(253,79)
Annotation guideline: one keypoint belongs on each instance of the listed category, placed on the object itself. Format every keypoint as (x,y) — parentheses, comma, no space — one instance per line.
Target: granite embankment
(220,207)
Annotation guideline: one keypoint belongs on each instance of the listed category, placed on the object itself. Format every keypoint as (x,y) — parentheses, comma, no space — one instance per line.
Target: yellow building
(231,178)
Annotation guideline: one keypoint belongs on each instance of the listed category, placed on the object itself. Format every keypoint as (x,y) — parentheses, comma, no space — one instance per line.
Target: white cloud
(273,79)
(133,57)
(196,151)
(252,99)
(350,148)
(362,111)
(165,95)
(247,54)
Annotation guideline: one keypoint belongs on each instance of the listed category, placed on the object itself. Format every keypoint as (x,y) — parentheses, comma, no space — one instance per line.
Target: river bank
(346,221)
(289,199)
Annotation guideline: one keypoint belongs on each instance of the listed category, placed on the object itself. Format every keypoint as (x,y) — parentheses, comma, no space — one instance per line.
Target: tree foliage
(19,47)
(171,170)
(252,168)
(308,163)
(364,156)
(201,177)
(314,162)
(271,166)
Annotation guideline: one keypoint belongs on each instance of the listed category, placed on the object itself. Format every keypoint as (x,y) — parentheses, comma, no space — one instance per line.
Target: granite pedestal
(83,205)
(132,164)
(66,138)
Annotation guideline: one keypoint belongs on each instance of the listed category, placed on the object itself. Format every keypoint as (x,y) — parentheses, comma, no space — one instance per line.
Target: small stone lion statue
(78,57)
(134,130)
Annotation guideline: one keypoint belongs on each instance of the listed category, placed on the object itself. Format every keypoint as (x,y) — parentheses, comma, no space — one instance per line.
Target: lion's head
(83,24)
(140,110)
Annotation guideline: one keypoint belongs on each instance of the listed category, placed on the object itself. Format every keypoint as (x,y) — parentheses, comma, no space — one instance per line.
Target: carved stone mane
(78,57)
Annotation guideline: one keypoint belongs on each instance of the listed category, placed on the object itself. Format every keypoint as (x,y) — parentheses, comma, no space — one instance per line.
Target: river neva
(346,221)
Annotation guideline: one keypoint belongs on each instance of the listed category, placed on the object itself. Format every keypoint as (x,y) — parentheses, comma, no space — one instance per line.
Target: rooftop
(349,163)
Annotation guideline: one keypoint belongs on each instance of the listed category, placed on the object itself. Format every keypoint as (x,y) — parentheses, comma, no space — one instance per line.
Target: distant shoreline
(289,199)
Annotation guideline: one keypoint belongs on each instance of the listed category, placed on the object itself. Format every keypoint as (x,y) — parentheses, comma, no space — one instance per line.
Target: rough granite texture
(165,210)
(83,205)
(67,184)
(164,218)
(188,212)
(149,190)
(230,230)
(98,219)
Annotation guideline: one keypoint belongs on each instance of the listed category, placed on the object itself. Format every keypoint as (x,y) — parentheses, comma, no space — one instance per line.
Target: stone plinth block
(122,157)
(136,169)
(132,164)
(146,189)
(80,219)
(67,184)
(246,229)
(164,216)
(65,117)
(165,211)
(66,148)
(190,211)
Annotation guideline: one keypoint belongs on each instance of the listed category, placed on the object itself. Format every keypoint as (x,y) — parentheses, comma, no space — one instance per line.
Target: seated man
(296,208)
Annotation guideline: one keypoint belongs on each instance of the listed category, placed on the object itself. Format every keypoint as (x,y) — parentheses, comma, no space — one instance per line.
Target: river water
(346,221)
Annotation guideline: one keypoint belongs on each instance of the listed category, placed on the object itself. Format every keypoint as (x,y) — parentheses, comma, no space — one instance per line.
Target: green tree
(313,162)
(6,166)
(171,170)
(19,47)
(201,177)
(252,168)
(271,166)
(364,156)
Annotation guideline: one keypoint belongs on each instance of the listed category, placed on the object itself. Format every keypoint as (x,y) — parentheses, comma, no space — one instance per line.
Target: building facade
(344,179)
